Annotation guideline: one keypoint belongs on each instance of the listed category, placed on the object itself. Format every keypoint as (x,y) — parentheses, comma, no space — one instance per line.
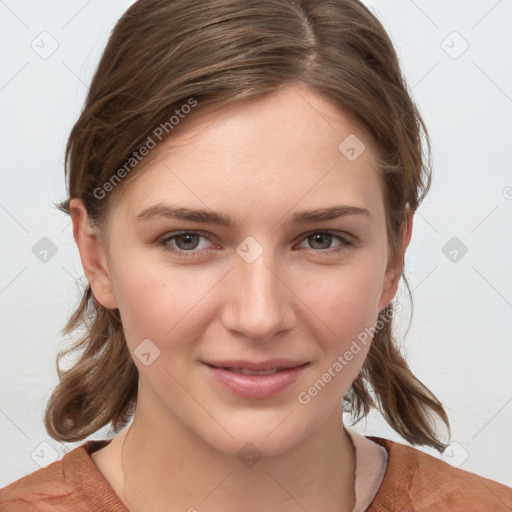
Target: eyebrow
(224,219)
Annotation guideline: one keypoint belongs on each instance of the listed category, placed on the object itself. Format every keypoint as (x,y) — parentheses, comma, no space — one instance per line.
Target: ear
(92,254)
(394,271)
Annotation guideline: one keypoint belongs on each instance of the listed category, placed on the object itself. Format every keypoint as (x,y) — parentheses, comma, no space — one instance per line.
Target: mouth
(247,371)
(267,367)
(255,381)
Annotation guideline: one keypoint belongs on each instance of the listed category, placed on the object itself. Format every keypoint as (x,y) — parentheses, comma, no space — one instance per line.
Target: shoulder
(36,490)
(417,481)
(72,483)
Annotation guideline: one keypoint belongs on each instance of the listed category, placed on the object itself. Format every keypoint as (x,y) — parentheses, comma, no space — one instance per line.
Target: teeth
(245,371)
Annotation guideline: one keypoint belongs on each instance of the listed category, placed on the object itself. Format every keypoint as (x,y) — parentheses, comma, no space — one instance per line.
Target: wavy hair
(160,54)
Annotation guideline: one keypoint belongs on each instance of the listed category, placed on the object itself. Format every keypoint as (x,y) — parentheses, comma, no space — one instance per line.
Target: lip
(256,387)
(255,366)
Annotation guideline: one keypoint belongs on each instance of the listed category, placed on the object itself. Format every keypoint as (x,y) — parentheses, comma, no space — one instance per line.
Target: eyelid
(347,241)
(171,234)
(208,236)
(333,232)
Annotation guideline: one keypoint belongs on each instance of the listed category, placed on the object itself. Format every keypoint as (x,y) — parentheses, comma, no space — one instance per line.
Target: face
(273,287)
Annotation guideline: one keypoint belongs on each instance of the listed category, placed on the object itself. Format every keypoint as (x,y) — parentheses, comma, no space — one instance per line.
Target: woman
(242,185)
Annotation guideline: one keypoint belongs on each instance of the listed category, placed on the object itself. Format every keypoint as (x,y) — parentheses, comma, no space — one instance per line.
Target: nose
(258,301)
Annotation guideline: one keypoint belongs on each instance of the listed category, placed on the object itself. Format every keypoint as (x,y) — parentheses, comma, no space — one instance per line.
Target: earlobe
(92,255)
(393,273)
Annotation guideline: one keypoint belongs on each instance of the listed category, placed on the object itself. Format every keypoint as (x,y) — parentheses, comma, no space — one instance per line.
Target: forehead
(295,146)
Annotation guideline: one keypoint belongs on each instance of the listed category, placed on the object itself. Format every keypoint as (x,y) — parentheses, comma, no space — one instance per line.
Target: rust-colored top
(413,482)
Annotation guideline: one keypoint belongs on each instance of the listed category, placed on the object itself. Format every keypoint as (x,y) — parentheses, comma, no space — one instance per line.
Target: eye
(187,243)
(325,238)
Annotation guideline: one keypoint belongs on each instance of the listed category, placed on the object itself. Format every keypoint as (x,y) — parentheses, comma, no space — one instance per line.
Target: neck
(171,470)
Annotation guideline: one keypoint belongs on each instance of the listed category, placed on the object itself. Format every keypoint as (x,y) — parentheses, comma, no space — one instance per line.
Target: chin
(265,432)
(257,443)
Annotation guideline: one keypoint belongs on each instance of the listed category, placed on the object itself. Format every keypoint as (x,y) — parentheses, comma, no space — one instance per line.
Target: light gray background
(459,343)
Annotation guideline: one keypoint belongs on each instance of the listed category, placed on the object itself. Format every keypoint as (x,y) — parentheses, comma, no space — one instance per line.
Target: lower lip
(256,387)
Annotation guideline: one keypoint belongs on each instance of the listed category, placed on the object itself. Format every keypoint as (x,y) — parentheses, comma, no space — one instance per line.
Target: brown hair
(161,54)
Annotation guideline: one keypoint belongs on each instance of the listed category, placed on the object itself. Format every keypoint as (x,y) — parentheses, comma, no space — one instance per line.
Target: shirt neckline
(106,496)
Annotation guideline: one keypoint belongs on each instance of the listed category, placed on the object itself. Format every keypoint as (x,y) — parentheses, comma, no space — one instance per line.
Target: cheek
(164,303)
(160,303)
(347,308)
(346,301)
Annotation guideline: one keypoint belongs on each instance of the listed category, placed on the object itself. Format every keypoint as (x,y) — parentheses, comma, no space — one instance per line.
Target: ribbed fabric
(413,482)
(72,484)
(418,482)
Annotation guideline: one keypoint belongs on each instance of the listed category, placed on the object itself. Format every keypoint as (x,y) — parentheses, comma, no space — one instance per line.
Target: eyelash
(346,243)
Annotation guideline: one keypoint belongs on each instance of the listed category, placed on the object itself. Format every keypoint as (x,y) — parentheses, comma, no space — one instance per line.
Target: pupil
(187,239)
(318,238)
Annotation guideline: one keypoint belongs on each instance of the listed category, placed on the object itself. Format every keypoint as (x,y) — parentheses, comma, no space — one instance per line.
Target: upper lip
(260,366)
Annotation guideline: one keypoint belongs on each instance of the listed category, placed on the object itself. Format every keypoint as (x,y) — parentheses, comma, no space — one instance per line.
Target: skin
(259,161)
